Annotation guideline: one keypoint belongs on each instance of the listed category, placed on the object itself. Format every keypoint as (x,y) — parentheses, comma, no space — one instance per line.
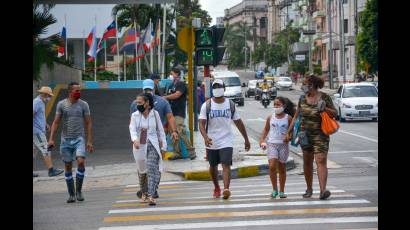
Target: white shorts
(40,142)
(278,151)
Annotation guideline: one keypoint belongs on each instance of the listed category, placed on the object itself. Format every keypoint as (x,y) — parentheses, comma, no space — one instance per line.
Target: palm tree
(234,38)
(43,52)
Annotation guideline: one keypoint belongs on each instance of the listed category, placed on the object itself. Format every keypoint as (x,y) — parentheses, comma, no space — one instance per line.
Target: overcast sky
(82,17)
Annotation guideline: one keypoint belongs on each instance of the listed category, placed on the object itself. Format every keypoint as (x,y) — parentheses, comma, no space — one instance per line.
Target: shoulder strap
(232,106)
(208,109)
(300,100)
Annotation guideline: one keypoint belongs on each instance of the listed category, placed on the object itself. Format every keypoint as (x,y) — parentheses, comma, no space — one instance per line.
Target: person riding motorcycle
(264,85)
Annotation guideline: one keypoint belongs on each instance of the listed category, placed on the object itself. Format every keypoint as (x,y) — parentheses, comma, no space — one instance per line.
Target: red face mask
(76,95)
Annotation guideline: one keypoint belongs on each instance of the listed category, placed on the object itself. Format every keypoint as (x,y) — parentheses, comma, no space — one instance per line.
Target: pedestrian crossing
(190,205)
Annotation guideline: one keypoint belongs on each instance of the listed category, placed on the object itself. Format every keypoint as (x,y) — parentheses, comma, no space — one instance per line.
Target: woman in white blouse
(148,138)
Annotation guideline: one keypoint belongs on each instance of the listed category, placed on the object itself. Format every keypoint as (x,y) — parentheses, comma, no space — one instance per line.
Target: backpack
(208,109)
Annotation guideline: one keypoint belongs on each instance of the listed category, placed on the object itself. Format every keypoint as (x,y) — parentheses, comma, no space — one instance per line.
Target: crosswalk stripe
(226,224)
(167,183)
(240,214)
(207,190)
(251,205)
(233,181)
(268,184)
(356,229)
(202,197)
(213,200)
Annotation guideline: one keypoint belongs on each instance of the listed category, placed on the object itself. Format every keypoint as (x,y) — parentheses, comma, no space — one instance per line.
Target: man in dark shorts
(218,113)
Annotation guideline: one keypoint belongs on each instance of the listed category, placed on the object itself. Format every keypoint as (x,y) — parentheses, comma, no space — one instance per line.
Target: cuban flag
(92,43)
(61,47)
(148,37)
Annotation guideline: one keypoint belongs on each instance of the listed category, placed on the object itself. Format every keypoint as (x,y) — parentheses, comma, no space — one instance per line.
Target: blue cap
(148,84)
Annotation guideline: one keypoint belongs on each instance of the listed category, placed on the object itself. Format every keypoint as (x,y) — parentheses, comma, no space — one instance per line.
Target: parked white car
(284,83)
(357,101)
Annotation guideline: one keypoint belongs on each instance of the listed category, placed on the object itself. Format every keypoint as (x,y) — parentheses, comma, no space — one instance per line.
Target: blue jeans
(71,148)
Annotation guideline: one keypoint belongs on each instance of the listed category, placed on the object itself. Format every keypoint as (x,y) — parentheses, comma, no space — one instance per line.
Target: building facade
(255,14)
(273,20)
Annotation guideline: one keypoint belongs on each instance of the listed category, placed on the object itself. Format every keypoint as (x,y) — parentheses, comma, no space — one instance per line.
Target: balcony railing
(319,14)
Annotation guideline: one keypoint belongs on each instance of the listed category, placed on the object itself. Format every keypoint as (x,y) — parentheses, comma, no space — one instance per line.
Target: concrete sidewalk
(245,164)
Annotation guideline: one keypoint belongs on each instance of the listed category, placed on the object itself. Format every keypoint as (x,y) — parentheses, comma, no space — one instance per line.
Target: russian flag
(92,43)
(61,47)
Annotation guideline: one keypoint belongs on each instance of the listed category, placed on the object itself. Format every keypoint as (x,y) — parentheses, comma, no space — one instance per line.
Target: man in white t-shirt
(218,135)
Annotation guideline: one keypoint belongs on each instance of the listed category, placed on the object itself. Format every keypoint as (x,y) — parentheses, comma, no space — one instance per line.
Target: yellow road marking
(213,200)
(239,214)
(56,91)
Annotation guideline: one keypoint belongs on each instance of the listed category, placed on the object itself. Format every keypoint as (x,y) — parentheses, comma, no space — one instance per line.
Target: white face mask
(278,110)
(171,77)
(218,92)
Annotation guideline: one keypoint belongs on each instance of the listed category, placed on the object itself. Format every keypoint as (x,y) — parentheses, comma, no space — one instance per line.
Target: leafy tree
(276,54)
(367,39)
(234,39)
(43,51)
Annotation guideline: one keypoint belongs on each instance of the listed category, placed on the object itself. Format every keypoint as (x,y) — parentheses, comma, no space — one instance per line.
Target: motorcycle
(265,98)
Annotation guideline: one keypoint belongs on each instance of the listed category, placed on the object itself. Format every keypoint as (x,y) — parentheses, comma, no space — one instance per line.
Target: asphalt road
(189,205)
(353,180)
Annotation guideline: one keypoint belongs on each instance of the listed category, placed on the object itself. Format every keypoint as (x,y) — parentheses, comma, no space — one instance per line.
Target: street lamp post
(342,41)
(330,55)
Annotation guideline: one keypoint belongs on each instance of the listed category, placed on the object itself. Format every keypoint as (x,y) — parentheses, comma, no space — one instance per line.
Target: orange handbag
(329,125)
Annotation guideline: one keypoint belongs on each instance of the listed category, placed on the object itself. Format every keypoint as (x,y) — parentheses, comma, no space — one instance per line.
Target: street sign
(185,40)
(300,57)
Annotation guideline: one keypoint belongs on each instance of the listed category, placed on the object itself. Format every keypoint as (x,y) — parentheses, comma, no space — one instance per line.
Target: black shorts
(220,156)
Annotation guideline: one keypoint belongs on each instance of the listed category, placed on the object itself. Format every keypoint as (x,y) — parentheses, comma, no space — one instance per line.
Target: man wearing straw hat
(39,129)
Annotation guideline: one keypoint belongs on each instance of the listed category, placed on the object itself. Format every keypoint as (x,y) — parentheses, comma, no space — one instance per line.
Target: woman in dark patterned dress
(311,105)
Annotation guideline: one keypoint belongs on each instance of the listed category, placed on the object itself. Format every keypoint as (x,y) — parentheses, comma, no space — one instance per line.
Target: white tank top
(278,129)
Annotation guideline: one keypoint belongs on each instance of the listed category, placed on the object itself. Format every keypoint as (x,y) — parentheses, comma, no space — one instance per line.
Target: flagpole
(95,58)
(159,46)
(66,40)
(151,51)
(125,67)
(139,59)
(84,51)
(118,48)
(163,42)
(136,51)
(105,54)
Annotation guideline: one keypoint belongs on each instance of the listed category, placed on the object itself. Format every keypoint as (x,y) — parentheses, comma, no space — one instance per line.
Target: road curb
(240,172)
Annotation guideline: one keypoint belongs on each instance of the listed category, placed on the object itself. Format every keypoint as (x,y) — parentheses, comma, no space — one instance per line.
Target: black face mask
(141,108)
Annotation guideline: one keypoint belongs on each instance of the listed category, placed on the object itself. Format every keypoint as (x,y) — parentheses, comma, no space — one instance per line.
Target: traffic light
(219,48)
(209,49)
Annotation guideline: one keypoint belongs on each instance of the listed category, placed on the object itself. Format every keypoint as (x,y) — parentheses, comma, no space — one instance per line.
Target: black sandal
(308,194)
(324,195)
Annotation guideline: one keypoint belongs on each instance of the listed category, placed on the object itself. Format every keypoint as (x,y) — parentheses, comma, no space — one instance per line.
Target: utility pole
(356,31)
(244,28)
(330,55)
(342,41)
(309,21)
